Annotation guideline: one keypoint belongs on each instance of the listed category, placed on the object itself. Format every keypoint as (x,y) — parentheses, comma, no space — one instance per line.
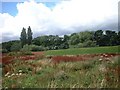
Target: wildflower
(102,68)
(108,58)
(6,75)
(112,62)
(9,76)
(6,87)
(13,74)
(101,56)
(20,71)
(106,55)
(103,82)
(100,59)
(17,74)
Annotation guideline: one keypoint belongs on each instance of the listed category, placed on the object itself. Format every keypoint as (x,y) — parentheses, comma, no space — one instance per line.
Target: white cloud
(65,17)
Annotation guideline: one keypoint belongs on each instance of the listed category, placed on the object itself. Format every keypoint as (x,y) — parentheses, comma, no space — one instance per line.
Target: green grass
(92,50)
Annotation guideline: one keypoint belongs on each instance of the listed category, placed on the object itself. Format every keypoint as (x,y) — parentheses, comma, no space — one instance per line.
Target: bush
(64,46)
(80,45)
(18,53)
(16,47)
(88,43)
(36,48)
(26,50)
(3,50)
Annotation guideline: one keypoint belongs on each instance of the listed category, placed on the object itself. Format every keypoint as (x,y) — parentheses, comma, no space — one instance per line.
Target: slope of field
(92,50)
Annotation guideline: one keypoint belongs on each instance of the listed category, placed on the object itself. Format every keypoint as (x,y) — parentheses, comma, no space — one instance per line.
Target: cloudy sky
(56,17)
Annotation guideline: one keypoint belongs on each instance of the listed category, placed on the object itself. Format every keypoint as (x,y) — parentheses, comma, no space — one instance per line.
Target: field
(71,68)
(92,50)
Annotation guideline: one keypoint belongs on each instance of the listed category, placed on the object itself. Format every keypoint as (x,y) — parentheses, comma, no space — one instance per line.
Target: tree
(7,45)
(98,35)
(111,37)
(86,36)
(74,39)
(118,37)
(29,36)
(23,37)
(66,38)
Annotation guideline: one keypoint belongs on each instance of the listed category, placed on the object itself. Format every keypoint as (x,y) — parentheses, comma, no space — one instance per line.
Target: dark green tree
(29,36)
(98,37)
(118,38)
(23,37)
(111,38)
(74,39)
(66,38)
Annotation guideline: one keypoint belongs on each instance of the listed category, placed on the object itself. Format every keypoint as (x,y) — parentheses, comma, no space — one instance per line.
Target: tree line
(54,42)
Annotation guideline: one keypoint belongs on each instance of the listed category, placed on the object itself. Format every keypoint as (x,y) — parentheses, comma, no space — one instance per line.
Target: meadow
(71,68)
(92,50)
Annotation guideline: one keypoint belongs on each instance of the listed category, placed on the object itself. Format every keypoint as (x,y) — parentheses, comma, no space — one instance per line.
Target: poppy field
(42,70)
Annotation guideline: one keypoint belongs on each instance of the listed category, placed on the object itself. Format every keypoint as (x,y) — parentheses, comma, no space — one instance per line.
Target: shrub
(89,43)
(12,54)
(37,48)
(26,50)
(80,45)
(15,47)
(3,50)
(64,46)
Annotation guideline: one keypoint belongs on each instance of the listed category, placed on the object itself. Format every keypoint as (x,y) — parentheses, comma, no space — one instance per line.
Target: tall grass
(46,74)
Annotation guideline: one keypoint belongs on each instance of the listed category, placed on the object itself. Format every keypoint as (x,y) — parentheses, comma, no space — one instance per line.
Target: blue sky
(11,7)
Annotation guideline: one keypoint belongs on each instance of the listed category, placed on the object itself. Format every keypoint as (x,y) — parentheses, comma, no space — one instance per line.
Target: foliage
(7,45)
(29,36)
(82,39)
(37,48)
(108,38)
(4,50)
(26,50)
(89,43)
(75,40)
(23,37)
(15,47)
(51,42)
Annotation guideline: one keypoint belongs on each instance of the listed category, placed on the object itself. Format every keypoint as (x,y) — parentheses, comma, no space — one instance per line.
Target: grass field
(77,51)
(91,70)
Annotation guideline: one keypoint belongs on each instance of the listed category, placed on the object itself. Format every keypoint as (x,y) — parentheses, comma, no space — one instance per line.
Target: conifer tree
(23,37)
(29,36)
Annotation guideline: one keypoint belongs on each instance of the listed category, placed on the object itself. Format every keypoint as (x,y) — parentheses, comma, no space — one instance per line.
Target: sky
(56,17)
